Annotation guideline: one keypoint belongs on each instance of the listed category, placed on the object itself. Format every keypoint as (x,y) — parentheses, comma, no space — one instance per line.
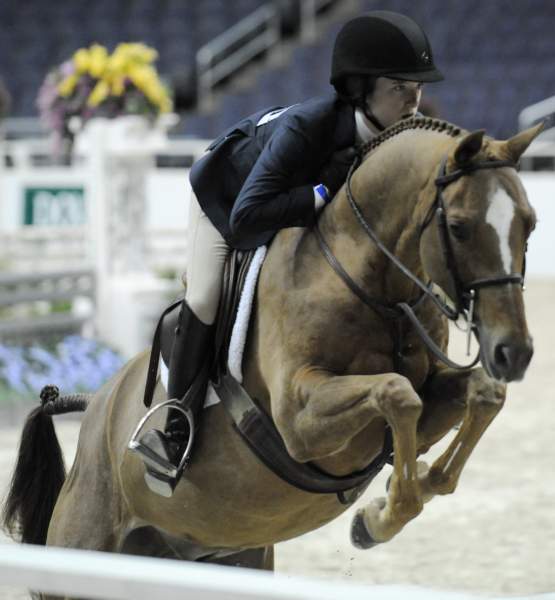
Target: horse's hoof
(360,536)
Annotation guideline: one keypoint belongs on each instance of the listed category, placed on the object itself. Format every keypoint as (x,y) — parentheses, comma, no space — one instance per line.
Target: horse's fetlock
(408,508)
(441,482)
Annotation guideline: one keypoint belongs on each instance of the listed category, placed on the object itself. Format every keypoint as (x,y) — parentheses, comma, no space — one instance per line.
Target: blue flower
(76,365)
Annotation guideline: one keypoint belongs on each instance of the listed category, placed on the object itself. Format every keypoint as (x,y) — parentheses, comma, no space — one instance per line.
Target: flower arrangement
(95,83)
(76,364)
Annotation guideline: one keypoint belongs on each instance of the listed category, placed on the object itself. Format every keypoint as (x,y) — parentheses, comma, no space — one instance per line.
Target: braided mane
(412,123)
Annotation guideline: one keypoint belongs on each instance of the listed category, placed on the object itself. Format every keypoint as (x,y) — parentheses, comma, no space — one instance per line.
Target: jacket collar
(345,128)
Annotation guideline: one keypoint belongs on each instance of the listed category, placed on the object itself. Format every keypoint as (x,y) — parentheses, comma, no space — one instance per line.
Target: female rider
(278,168)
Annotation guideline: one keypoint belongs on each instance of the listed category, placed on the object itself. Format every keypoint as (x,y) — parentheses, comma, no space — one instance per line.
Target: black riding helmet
(380,44)
(383,44)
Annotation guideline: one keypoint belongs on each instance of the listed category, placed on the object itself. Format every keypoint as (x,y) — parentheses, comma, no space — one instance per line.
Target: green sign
(54,206)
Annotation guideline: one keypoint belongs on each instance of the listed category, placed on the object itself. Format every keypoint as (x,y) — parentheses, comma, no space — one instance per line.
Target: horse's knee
(397,397)
(486,396)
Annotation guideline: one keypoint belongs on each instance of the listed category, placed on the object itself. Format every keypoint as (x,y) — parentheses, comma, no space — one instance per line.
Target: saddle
(235,271)
(250,421)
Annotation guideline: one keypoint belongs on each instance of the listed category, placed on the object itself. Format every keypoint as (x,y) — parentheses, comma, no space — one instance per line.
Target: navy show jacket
(258,176)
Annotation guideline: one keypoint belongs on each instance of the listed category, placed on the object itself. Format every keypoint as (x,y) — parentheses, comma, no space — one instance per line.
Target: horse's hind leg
(84,517)
(89,511)
(84,521)
(256,558)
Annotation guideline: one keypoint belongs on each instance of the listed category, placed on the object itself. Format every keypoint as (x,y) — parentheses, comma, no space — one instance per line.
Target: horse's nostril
(513,357)
(502,355)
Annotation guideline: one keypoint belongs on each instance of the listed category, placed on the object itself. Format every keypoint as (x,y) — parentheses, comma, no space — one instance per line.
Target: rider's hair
(355,89)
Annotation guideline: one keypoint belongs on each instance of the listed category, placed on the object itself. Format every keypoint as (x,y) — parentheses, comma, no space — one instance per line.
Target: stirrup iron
(163,475)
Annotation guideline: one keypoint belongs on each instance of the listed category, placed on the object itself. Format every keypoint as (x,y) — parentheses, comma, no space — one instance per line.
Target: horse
(336,357)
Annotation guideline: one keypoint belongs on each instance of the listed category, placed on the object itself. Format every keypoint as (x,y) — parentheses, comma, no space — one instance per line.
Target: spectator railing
(232,50)
(541,111)
(309,11)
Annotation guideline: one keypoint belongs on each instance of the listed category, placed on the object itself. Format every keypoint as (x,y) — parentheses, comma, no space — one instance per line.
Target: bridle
(465,292)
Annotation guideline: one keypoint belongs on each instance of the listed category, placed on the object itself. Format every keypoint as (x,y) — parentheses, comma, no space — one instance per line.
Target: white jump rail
(98,575)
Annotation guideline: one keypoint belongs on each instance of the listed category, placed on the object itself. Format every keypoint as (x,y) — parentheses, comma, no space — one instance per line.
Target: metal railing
(229,52)
(541,111)
(309,13)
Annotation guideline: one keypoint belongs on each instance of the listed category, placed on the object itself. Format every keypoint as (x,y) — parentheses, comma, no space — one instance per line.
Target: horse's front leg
(328,411)
(482,398)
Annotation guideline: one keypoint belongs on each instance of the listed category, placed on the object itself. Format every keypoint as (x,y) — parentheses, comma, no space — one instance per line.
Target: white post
(94,146)
(120,152)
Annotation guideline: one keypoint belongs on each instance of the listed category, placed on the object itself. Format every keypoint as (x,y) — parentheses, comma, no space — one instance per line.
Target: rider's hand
(334,172)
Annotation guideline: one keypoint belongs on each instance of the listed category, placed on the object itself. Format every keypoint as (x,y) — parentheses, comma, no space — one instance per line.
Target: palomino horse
(330,369)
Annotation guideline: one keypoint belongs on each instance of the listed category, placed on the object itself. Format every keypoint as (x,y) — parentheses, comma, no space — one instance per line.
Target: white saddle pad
(239,332)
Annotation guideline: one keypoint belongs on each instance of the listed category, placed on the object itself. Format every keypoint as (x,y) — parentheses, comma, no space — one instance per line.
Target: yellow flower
(136,53)
(116,64)
(99,94)
(158,95)
(117,86)
(129,61)
(66,87)
(143,77)
(166,104)
(81,60)
(98,57)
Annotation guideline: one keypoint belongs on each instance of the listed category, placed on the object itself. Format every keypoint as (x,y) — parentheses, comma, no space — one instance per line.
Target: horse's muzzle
(506,359)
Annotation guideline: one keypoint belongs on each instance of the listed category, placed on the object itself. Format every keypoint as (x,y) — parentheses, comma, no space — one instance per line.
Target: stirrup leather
(159,463)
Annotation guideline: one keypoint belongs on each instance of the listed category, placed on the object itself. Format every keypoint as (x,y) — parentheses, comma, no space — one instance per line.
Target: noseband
(465,292)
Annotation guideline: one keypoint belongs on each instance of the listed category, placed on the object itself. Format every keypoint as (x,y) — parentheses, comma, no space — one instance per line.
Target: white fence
(113,211)
(98,575)
(76,287)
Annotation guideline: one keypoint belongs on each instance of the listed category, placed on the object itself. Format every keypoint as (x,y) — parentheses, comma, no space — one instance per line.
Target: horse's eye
(459,230)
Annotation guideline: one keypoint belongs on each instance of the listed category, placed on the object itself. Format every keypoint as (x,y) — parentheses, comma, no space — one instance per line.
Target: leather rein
(465,292)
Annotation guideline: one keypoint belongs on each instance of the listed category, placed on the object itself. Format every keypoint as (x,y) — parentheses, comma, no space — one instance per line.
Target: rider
(278,168)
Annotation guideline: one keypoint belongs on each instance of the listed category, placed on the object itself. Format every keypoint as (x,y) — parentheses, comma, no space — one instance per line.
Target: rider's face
(394,99)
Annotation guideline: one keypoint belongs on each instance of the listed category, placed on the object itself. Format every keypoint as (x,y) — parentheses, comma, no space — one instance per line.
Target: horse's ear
(468,147)
(516,146)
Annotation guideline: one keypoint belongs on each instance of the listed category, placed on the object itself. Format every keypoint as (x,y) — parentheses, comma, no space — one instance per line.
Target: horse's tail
(40,471)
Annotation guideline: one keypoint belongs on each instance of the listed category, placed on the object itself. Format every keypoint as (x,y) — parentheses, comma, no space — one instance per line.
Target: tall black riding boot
(162,451)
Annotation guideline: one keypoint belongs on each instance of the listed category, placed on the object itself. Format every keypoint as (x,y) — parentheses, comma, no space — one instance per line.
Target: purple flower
(67,68)
(77,365)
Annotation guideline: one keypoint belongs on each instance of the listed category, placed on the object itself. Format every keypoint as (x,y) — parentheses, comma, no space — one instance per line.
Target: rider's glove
(334,172)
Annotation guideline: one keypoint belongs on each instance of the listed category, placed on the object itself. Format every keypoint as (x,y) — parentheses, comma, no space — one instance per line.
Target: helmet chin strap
(371,117)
